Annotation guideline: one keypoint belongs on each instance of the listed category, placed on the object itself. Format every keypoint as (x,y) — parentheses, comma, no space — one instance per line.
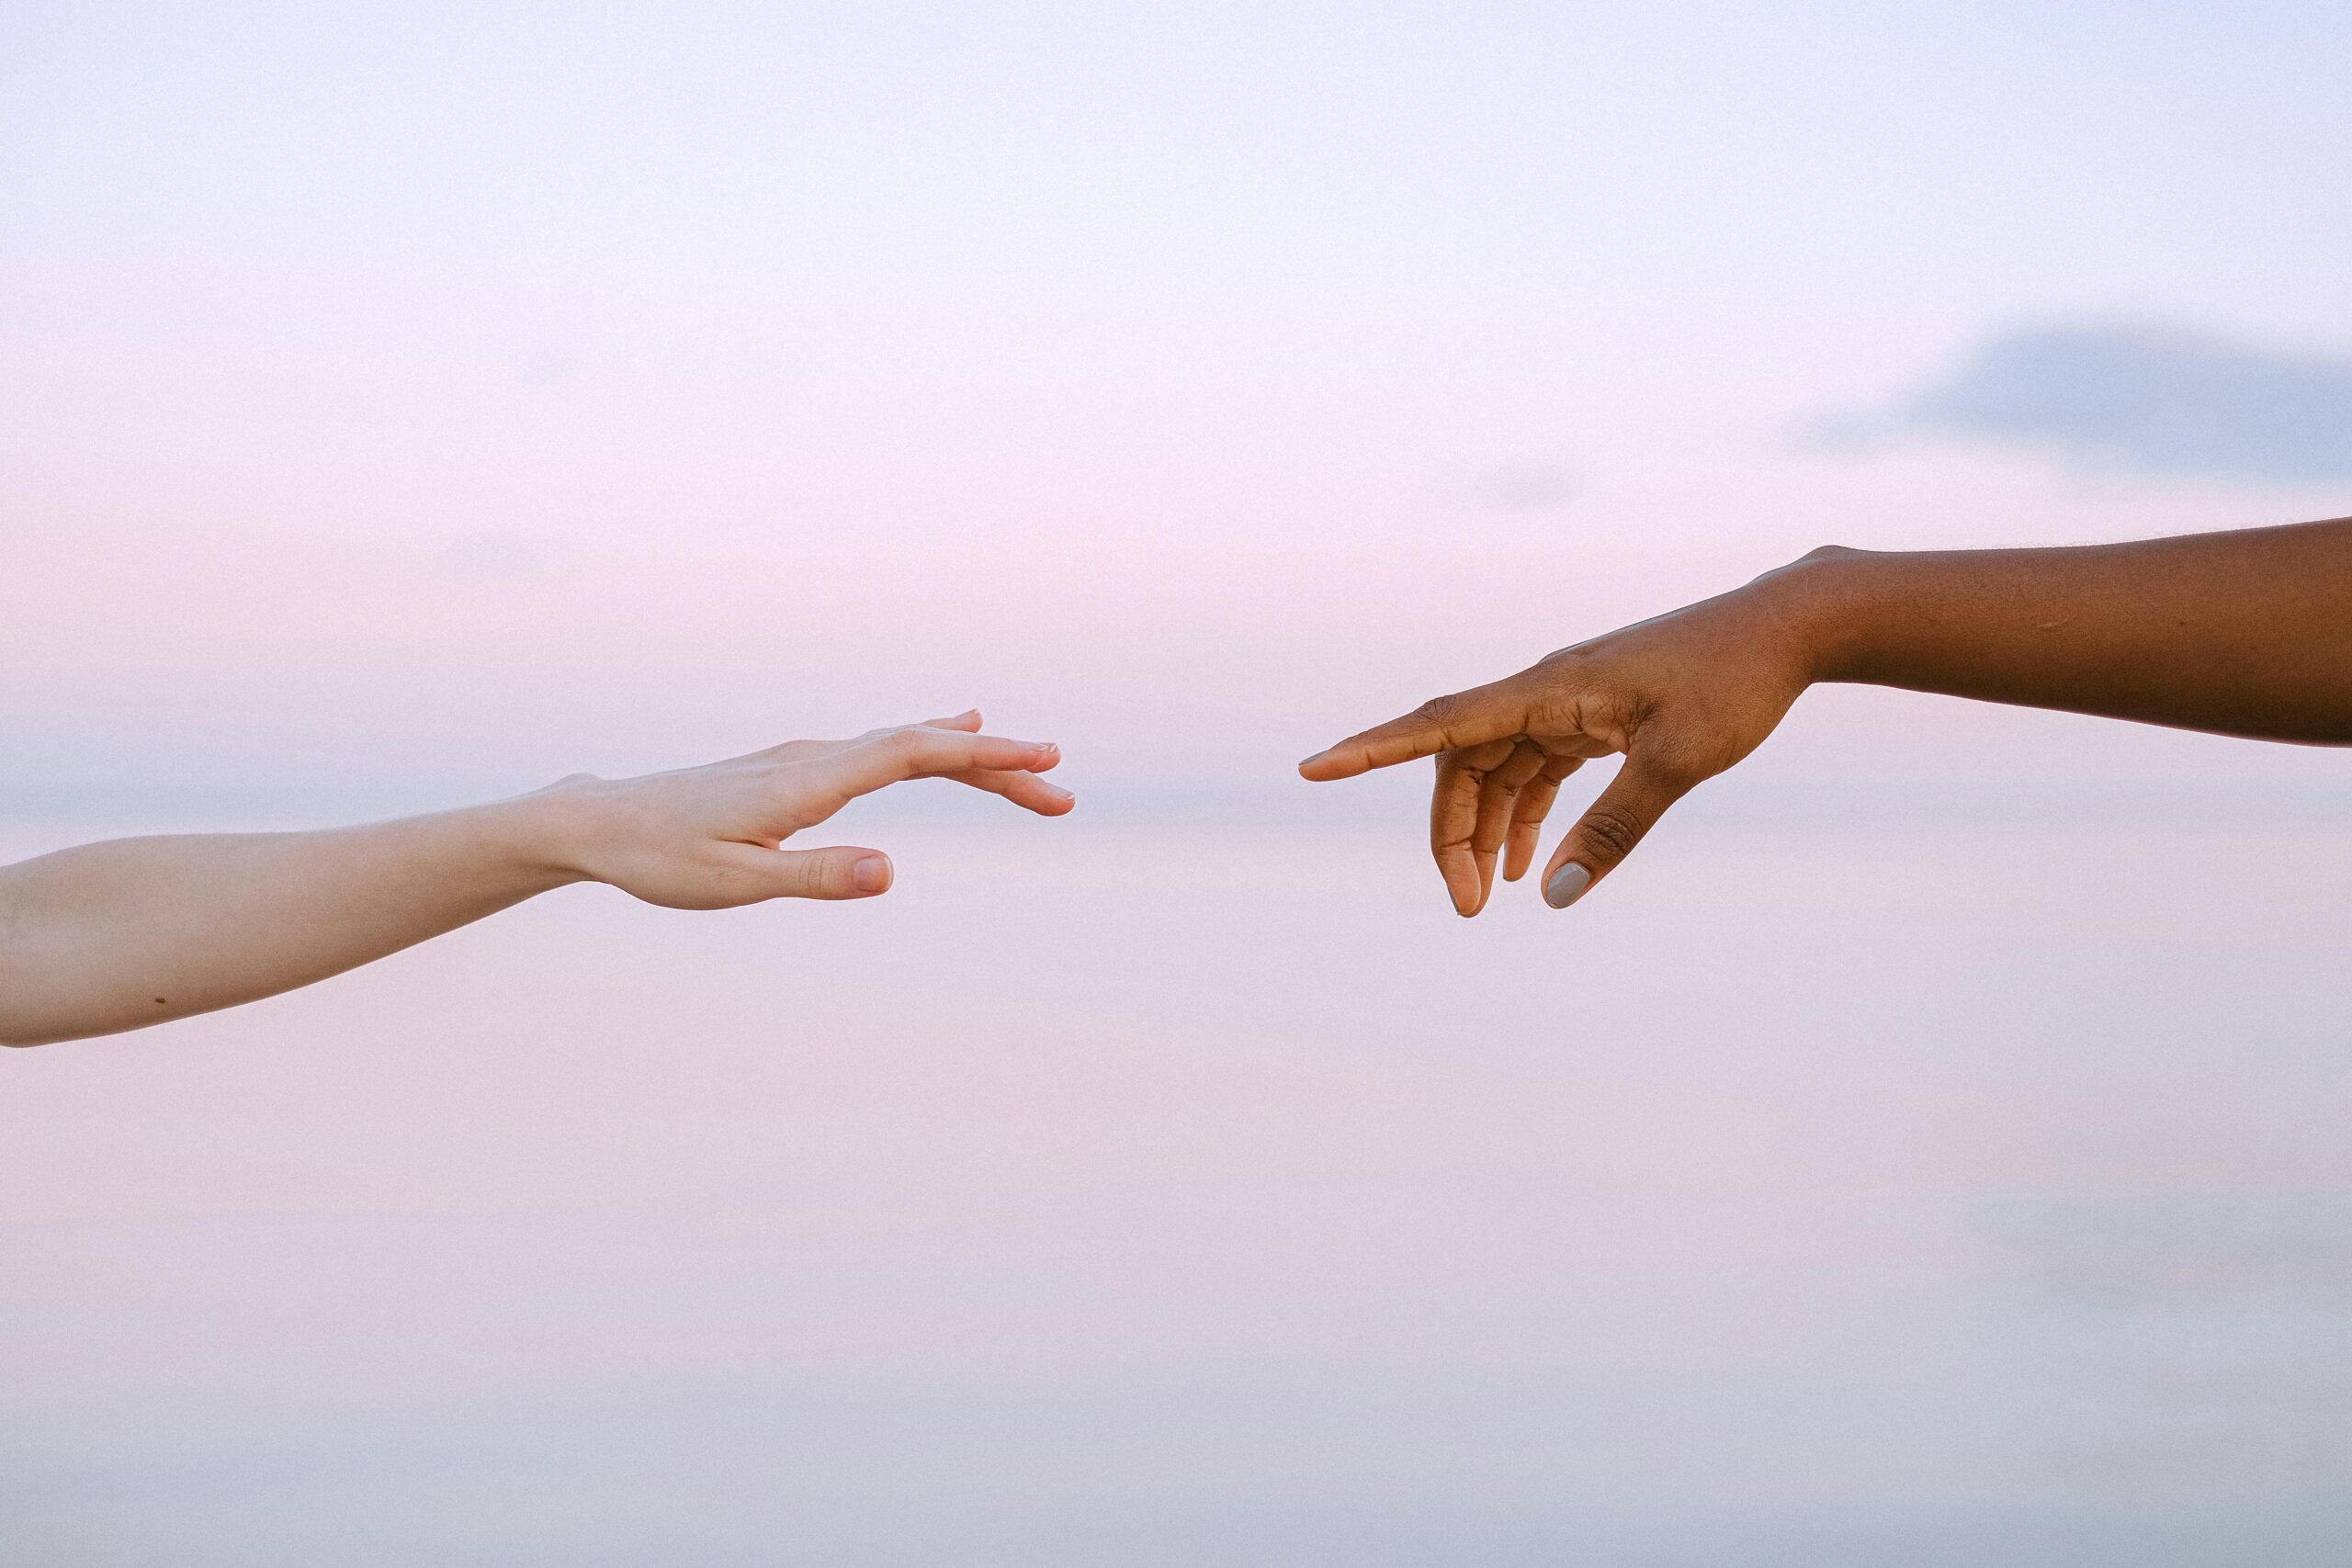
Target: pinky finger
(1528,813)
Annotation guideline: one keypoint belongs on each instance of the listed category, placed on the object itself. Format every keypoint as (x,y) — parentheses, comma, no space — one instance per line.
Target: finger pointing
(1442,724)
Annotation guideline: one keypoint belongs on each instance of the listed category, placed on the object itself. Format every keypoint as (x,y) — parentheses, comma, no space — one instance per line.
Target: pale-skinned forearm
(113,936)
(2246,633)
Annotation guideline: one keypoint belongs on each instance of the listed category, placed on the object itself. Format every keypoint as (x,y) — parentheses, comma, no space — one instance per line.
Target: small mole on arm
(159,1001)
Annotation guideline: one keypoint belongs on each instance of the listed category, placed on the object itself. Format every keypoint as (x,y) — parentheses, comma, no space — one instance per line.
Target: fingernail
(1318,756)
(1566,886)
(871,874)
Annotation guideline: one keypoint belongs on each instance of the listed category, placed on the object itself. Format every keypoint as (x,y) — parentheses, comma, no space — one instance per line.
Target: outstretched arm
(2246,633)
(115,935)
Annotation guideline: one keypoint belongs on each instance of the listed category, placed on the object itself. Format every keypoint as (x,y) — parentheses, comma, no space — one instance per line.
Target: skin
(118,935)
(2246,633)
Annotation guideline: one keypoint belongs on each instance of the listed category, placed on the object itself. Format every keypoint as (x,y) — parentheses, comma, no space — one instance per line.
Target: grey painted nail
(1566,885)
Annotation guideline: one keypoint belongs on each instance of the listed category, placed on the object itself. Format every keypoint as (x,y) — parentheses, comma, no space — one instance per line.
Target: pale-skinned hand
(133,932)
(711,836)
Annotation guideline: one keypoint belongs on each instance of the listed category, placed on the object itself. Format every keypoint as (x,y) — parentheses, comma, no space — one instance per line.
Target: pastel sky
(446,395)
(1933,1138)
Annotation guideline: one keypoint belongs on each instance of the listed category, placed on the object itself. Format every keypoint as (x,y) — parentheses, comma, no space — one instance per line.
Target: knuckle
(733,883)
(1611,831)
(1571,664)
(1440,711)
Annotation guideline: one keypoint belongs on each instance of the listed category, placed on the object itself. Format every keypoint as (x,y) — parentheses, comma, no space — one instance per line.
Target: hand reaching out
(2245,633)
(1682,696)
(135,931)
(709,838)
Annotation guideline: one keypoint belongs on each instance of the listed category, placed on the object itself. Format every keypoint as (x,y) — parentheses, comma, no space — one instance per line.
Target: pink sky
(1934,1136)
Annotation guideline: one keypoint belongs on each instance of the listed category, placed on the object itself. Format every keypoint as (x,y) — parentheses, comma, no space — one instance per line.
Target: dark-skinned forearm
(2246,633)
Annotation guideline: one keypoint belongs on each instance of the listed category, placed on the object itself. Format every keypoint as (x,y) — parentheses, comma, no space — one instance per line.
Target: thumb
(841,872)
(1610,827)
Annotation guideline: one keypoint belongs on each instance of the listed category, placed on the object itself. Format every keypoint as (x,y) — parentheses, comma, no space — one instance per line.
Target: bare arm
(113,936)
(2245,633)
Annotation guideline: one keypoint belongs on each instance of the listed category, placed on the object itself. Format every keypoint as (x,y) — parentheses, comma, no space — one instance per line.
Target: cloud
(2149,401)
(2157,1250)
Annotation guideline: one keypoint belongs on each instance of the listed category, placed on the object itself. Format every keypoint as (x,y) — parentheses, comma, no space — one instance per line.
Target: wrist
(1817,603)
(543,837)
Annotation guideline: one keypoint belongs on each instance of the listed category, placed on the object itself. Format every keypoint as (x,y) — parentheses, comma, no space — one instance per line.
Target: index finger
(1492,712)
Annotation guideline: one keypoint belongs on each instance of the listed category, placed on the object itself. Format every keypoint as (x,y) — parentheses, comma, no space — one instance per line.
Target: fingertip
(1566,886)
(872,874)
